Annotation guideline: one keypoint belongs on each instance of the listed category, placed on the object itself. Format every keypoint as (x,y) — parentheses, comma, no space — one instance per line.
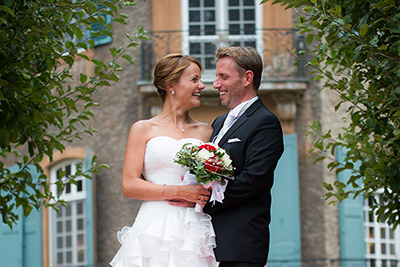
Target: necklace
(179,127)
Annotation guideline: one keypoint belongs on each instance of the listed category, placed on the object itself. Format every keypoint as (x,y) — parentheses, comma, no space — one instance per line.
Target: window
(209,24)
(98,40)
(68,227)
(382,243)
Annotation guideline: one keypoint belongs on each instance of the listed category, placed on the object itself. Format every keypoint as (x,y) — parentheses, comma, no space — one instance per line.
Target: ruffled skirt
(165,235)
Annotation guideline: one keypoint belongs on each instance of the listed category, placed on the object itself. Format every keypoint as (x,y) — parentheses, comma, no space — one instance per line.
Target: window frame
(73,199)
(222,30)
(372,224)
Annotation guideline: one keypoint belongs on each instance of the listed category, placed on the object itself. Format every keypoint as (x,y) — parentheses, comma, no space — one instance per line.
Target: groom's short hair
(247,58)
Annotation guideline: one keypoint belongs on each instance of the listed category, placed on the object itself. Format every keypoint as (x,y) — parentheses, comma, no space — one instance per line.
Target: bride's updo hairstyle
(169,69)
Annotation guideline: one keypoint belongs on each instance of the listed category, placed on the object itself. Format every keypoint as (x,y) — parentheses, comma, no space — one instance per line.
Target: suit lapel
(242,119)
(233,128)
(219,122)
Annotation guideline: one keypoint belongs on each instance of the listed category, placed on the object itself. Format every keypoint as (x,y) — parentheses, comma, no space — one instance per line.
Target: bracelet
(162,192)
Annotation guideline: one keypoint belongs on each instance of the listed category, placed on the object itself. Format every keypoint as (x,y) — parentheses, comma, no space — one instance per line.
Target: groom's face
(229,82)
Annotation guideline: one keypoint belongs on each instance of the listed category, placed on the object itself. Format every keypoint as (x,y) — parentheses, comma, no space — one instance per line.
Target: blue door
(285,242)
(21,246)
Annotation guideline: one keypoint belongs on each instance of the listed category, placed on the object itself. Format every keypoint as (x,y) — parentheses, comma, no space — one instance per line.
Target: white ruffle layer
(165,235)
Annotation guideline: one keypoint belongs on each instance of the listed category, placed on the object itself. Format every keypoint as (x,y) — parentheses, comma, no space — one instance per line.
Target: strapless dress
(165,235)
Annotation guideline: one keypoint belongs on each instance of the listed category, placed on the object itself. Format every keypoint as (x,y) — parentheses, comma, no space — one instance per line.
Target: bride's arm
(133,186)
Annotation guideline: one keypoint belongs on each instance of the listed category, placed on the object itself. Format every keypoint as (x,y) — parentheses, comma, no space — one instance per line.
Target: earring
(173,92)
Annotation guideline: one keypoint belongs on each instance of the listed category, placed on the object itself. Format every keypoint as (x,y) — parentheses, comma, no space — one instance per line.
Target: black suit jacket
(241,222)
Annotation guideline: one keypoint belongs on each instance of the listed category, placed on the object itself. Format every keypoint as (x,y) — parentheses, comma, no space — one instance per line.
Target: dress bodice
(159,165)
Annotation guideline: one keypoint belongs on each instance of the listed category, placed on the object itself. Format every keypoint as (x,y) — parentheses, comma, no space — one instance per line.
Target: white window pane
(59,227)
(209,29)
(69,230)
(68,241)
(209,3)
(60,257)
(383,248)
(67,188)
(248,2)
(81,255)
(68,210)
(194,16)
(209,16)
(80,224)
(59,242)
(234,14)
(392,249)
(79,209)
(249,14)
(68,227)
(382,241)
(383,233)
(233,2)
(194,30)
(194,3)
(79,186)
(68,257)
(80,240)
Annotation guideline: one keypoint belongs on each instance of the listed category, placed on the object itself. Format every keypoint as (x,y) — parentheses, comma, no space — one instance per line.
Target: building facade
(305,230)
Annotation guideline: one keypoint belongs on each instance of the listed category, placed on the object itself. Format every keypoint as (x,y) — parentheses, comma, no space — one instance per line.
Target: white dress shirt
(232,117)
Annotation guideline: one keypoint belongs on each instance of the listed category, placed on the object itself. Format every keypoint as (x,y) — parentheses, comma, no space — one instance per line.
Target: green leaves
(42,104)
(357,55)
(363,29)
(7,9)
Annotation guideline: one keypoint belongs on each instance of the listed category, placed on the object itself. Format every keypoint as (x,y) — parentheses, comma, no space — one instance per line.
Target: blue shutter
(104,39)
(351,224)
(11,241)
(285,243)
(22,246)
(89,212)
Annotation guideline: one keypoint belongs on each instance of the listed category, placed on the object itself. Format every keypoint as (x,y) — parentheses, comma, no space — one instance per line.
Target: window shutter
(104,39)
(22,246)
(351,224)
(285,243)
(89,211)
(11,241)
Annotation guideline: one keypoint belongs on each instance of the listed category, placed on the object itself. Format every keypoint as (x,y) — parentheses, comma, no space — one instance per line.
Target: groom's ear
(248,77)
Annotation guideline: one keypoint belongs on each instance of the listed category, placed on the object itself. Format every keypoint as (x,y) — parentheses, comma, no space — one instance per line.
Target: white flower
(204,155)
(226,159)
(220,150)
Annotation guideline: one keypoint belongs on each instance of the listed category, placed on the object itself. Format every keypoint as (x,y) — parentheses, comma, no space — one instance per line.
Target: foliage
(357,54)
(39,108)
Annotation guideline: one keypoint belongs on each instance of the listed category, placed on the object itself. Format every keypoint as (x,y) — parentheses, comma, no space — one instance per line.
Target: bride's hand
(194,193)
(182,203)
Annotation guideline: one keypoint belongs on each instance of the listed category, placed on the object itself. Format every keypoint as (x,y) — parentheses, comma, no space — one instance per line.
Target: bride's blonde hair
(169,69)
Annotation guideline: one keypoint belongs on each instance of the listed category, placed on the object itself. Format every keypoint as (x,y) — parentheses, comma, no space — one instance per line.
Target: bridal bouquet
(209,165)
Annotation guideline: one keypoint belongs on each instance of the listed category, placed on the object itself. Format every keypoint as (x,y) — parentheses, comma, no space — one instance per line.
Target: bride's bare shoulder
(145,125)
(142,128)
(147,129)
(141,125)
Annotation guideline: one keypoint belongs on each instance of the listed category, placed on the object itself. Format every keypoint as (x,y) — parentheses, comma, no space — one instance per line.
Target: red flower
(208,147)
(213,165)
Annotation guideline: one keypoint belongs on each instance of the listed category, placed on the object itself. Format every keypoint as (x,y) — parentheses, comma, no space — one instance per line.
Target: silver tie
(227,124)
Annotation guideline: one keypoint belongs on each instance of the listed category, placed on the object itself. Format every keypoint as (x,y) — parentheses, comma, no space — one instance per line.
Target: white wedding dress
(165,235)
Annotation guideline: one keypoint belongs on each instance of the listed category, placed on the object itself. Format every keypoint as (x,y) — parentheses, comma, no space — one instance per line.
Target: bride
(163,234)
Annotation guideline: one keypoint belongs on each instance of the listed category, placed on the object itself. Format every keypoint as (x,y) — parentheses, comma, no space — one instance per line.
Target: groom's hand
(182,203)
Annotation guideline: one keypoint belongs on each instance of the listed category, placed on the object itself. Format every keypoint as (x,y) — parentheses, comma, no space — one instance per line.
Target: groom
(253,137)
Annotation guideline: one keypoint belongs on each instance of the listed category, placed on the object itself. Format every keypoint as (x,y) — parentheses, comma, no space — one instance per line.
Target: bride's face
(189,86)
